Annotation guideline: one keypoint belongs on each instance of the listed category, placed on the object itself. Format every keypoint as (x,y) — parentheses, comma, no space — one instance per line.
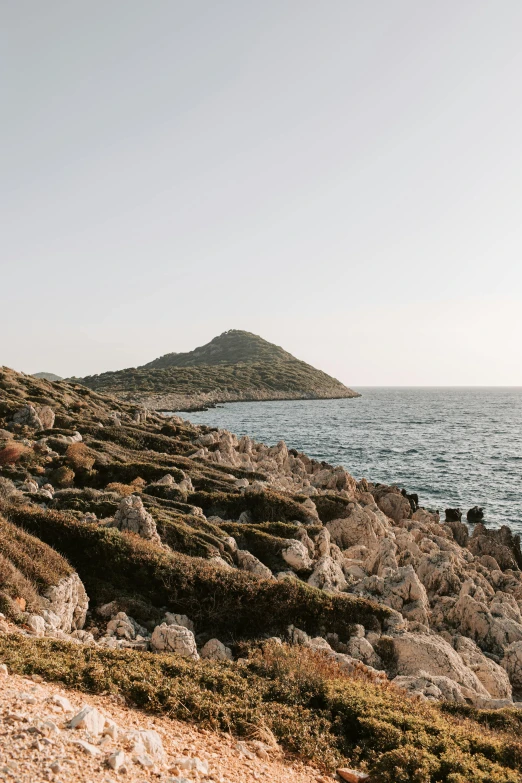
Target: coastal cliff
(250,588)
(236,366)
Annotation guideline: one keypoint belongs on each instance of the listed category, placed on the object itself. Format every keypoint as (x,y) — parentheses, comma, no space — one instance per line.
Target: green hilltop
(234,366)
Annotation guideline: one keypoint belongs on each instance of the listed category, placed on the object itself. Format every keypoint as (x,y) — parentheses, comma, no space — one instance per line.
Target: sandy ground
(36,744)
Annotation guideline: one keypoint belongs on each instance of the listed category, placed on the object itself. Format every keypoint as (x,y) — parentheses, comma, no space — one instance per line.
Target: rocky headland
(236,366)
(251,589)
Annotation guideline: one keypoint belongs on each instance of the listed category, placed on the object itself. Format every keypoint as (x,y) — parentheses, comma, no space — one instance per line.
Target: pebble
(87,747)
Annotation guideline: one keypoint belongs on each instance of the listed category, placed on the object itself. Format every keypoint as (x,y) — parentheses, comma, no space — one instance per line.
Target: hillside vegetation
(234,366)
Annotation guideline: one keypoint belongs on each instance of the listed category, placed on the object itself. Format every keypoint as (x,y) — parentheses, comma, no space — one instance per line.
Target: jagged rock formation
(236,365)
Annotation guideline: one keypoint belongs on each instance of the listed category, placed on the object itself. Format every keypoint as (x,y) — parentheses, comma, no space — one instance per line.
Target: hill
(235,366)
(153,560)
(47,376)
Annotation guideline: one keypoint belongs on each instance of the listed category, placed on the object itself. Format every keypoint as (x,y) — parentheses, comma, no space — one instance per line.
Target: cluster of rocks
(285,469)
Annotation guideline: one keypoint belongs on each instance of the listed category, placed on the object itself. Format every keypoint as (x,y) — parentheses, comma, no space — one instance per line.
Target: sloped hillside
(234,366)
(253,590)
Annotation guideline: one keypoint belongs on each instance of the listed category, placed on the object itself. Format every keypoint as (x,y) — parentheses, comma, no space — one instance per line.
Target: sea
(454,447)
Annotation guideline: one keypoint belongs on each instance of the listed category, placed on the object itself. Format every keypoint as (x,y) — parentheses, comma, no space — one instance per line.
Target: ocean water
(453,446)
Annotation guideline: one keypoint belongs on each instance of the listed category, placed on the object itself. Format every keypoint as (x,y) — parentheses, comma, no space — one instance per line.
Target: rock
(179,619)
(4,672)
(422,653)
(89,719)
(216,651)
(148,741)
(91,750)
(125,627)
(295,554)
(361,526)
(492,676)
(46,416)
(512,663)
(393,504)
(248,562)
(328,576)
(352,775)
(431,687)
(475,514)
(69,602)
(116,760)
(174,638)
(27,417)
(453,514)
(36,624)
(132,516)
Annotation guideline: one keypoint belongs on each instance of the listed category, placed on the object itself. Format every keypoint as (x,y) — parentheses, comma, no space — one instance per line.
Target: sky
(342,177)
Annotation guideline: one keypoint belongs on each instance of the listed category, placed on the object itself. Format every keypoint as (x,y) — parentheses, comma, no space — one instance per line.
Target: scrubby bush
(12,453)
(80,457)
(63,476)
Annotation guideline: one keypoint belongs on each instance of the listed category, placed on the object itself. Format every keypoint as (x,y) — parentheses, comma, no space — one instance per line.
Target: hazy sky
(342,177)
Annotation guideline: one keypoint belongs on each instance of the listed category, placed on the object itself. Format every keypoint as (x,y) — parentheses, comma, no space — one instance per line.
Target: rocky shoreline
(179,403)
(435,609)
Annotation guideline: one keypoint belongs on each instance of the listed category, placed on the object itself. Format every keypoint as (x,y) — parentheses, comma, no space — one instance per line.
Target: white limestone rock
(248,562)
(216,651)
(176,639)
(328,576)
(295,554)
(132,516)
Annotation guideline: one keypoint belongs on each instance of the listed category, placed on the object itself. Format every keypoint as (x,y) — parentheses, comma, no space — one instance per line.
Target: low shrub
(80,457)
(11,453)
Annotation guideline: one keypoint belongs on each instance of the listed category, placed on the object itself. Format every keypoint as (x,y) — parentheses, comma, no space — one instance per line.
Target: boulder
(430,687)
(68,601)
(416,653)
(328,576)
(475,514)
(176,639)
(248,562)
(393,504)
(453,514)
(132,516)
(512,663)
(216,651)
(492,676)
(295,554)
(360,526)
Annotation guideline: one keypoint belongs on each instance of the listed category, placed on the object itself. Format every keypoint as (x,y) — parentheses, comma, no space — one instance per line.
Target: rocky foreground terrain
(252,590)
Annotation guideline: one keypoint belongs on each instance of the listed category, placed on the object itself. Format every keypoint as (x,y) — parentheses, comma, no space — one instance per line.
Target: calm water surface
(454,446)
